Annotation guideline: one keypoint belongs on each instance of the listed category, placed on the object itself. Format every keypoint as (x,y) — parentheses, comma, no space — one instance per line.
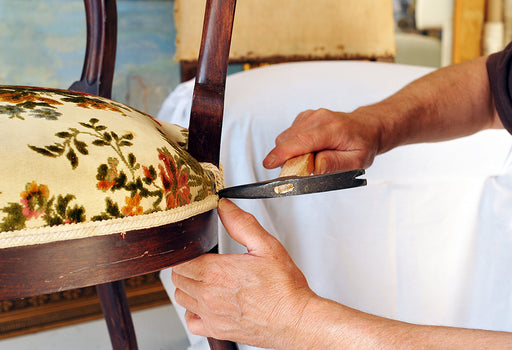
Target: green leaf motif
(81,146)
(131,159)
(57,149)
(43,151)
(63,134)
(73,159)
(99,143)
(14,220)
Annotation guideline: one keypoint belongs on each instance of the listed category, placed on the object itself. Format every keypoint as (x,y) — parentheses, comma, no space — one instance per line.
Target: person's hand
(341,141)
(255,298)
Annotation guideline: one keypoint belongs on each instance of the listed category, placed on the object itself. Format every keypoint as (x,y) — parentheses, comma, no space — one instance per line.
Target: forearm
(451,102)
(329,325)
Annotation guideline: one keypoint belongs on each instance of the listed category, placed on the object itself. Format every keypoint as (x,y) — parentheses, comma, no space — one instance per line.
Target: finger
(303,116)
(186,301)
(305,122)
(279,155)
(184,283)
(332,161)
(195,324)
(296,146)
(195,269)
(276,158)
(300,123)
(245,229)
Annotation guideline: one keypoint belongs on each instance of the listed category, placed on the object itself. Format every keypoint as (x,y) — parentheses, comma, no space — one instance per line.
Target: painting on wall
(43,44)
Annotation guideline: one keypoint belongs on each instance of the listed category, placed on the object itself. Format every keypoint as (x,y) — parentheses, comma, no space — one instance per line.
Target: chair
(49,241)
(268,31)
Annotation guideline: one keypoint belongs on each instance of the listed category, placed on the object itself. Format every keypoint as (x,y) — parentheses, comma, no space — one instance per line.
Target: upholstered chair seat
(76,165)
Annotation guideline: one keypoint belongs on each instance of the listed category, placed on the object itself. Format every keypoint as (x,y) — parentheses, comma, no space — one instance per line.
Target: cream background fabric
(427,241)
(305,28)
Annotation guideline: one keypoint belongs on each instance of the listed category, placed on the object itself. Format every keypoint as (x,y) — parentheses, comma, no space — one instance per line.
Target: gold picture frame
(43,312)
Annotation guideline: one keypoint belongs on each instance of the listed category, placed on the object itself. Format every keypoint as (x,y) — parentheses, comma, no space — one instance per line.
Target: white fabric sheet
(429,240)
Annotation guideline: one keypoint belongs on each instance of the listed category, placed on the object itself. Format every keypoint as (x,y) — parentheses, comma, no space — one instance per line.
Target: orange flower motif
(175,182)
(133,206)
(97,104)
(182,195)
(147,172)
(34,200)
(110,177)
(17,97)
(105,185)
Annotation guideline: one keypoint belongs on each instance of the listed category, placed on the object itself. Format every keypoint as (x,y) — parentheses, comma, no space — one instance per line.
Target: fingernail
(323,166)
(225,205)
(269,161)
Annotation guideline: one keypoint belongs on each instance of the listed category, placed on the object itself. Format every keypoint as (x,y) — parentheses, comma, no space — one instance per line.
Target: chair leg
(117,315)
(221,344)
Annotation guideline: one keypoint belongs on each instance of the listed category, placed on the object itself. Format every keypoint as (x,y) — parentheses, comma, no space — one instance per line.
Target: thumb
(245,229)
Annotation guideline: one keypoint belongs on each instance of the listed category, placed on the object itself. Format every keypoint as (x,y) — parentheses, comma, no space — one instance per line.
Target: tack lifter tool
(296,185)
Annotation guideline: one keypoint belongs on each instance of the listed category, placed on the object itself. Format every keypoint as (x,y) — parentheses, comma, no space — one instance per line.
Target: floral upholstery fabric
(76,165)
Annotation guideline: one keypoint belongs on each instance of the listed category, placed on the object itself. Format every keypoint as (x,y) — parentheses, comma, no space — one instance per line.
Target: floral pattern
(90,159)
(46,101)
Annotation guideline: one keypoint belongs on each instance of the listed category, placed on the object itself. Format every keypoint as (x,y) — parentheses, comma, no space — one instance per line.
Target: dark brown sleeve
(499,70)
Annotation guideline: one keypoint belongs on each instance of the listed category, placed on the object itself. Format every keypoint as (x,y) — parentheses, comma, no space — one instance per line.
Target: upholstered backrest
(284,30)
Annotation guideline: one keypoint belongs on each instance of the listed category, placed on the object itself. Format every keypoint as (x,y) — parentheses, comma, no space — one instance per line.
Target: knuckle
(174,278)
(245,220)
(215,271)
(212,303)
(322,114)
(303,115)
(285,135)
(178,294)
(322,111)
(193,326)
(305,139)
(206,300)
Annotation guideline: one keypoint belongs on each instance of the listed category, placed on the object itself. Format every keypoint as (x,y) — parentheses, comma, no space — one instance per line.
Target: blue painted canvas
(43,44)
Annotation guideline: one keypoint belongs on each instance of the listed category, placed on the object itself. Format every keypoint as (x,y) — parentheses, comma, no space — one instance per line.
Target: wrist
(397,121)
(375,123)
(320,325)
(327,324)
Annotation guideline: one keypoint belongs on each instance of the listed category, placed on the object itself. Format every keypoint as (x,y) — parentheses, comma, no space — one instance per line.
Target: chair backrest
(100,54)
(273,31)
(208,100)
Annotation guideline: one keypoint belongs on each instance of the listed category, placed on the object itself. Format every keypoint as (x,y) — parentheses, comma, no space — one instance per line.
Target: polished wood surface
(40,269)
(100,53)
(221,344)
(117,316)
(208,99)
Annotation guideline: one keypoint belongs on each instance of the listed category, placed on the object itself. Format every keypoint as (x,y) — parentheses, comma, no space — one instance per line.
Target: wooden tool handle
(302,165)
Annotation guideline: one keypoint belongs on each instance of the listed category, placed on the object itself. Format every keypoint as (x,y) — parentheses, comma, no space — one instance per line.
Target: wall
(43,43)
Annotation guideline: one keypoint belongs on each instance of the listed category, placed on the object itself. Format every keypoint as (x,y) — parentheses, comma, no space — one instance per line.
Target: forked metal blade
(296,185)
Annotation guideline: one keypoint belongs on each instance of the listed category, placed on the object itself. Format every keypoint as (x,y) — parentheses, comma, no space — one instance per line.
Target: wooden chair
(105,260)
(268,31)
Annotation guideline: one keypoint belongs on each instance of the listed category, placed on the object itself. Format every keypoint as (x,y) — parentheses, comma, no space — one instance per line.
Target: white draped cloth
(428,240)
